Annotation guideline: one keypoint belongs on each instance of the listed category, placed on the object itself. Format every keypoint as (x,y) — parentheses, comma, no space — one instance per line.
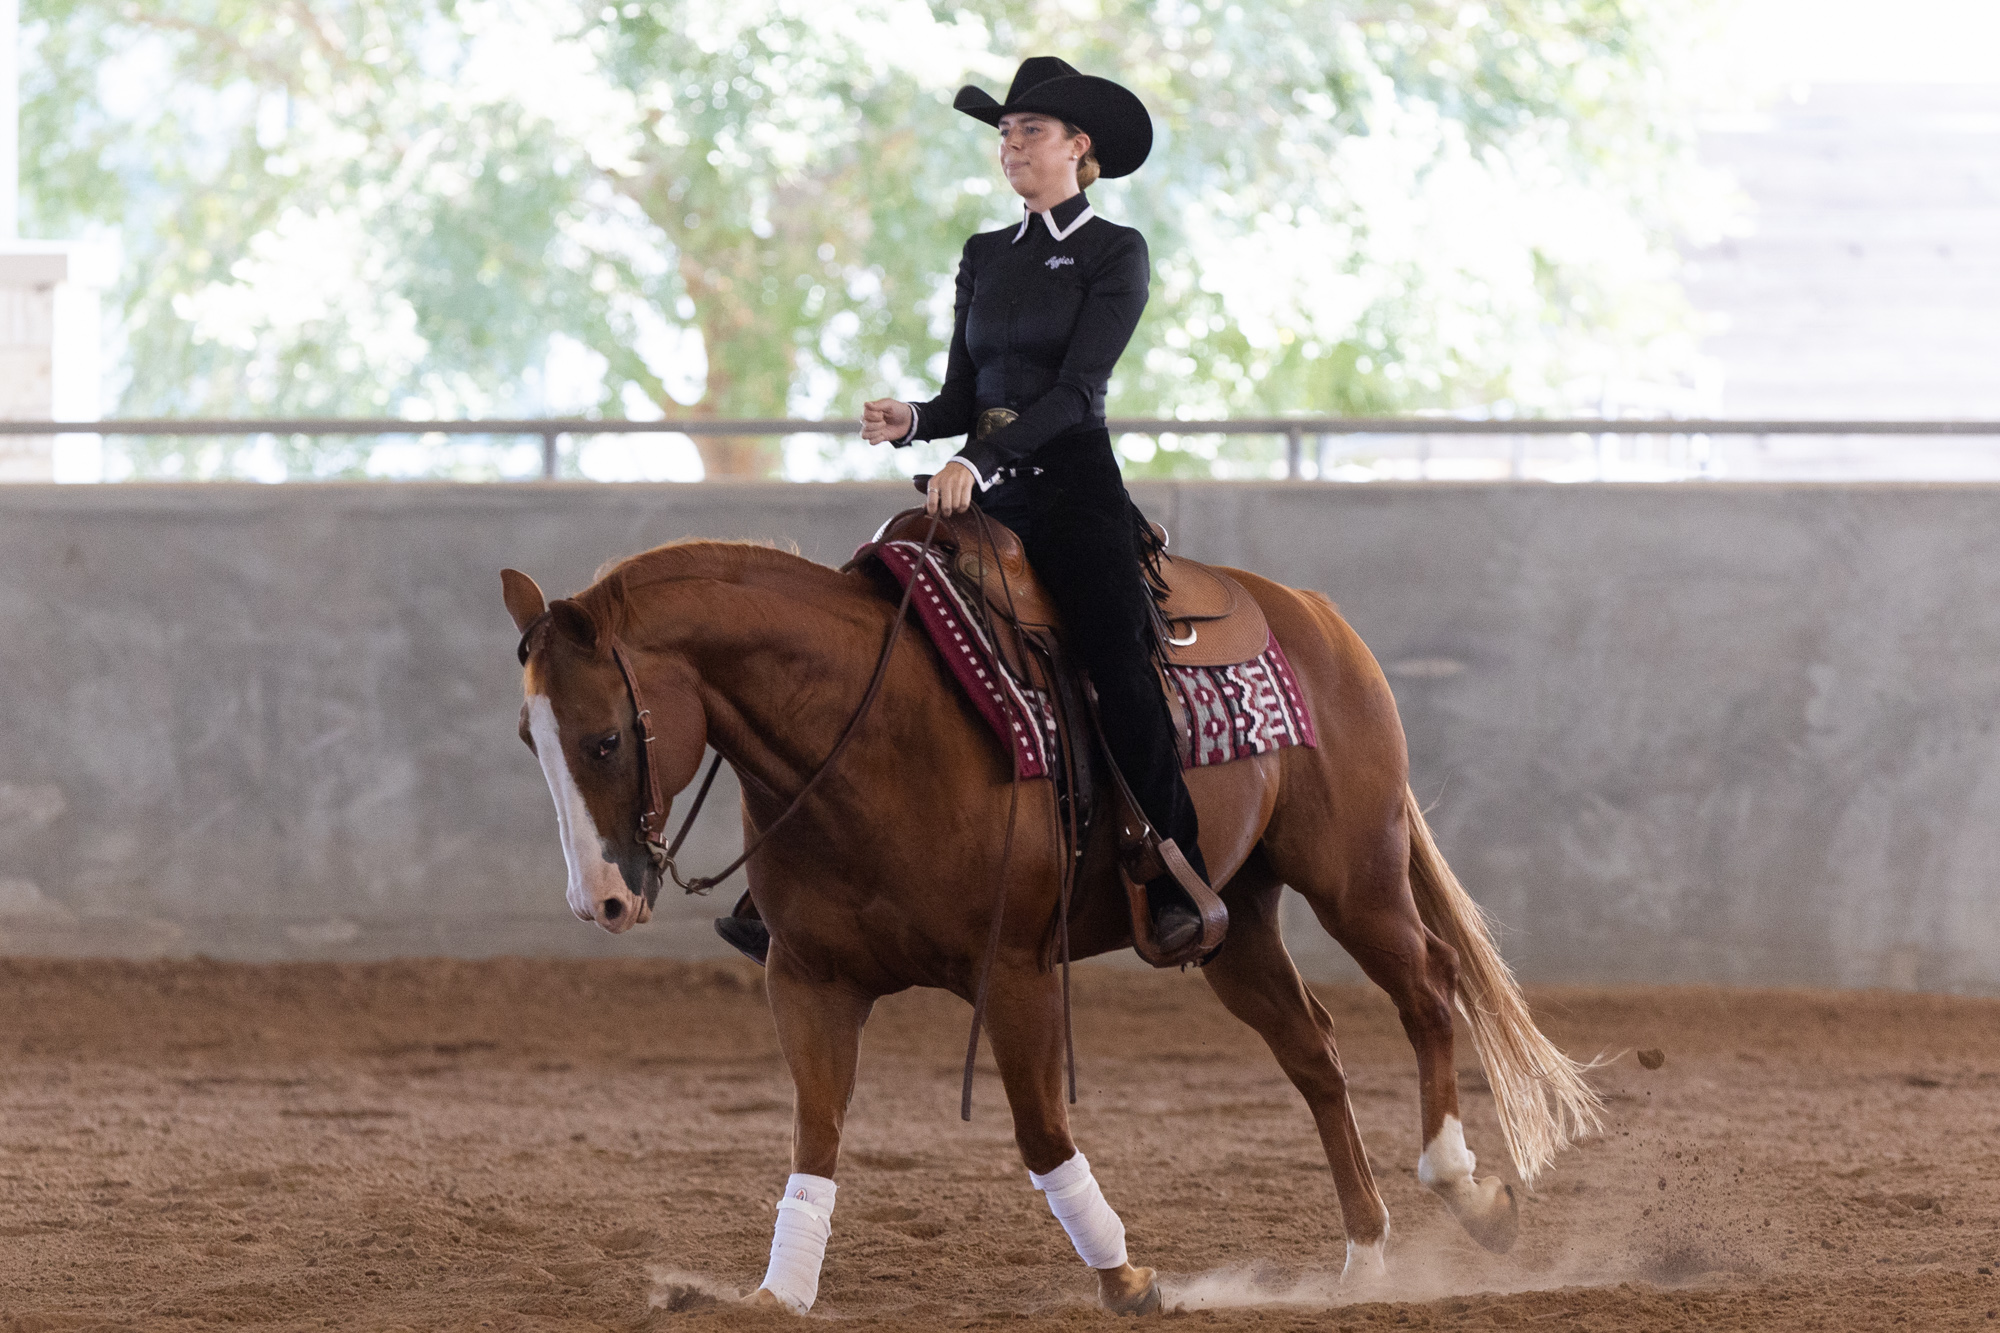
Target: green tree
(435,207)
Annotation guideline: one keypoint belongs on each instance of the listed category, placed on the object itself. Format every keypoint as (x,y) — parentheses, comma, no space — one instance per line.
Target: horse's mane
(690,557)
(742,562)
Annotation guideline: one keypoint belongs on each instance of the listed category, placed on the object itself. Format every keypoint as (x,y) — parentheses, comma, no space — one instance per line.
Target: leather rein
(653,807)
(663,854)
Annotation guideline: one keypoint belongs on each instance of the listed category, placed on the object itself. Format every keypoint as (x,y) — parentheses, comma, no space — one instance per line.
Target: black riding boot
(1082,534)
(745,931)
(1175,920)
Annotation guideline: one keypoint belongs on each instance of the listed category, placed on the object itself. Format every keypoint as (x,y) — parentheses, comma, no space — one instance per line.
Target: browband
(529,633)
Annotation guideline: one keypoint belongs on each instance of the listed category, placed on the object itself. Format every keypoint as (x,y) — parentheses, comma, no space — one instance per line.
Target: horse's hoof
(1489,1211)
(1146,1301)
(765,1299)
(1365,1263)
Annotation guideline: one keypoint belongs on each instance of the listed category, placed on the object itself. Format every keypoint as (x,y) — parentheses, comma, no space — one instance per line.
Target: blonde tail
(1543,1100)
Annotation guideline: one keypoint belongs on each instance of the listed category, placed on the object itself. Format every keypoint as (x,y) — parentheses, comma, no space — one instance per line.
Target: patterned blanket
(1232,712)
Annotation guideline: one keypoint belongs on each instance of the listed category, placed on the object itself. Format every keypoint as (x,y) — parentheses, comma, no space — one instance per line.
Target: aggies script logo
(1057,261)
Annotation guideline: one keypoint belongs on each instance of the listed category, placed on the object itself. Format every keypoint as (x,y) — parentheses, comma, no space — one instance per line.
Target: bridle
(653,807)
(662,854)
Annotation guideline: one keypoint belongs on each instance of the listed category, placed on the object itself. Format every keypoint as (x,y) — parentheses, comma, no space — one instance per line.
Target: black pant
(1079,528)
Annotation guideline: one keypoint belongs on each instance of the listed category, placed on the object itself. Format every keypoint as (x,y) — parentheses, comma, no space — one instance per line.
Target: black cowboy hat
(1121,133)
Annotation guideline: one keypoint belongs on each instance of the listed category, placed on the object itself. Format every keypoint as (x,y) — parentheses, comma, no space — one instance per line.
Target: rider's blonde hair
(1086,169)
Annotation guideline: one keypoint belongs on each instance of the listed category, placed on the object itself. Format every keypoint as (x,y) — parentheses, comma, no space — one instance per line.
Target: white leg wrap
(798,1241)
(1079,1205)
(1446,1160)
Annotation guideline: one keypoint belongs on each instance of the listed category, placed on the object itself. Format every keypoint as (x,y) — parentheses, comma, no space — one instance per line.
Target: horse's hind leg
(819,1029)
(1255,979)
(1371,912)
(1024,1025)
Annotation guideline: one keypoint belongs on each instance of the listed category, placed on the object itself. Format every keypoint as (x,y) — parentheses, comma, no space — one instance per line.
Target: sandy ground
(555,1145)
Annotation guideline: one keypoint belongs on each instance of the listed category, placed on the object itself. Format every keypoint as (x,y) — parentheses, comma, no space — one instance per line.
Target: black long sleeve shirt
(1044,311)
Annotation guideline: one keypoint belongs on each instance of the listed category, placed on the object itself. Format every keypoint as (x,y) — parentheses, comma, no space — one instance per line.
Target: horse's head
(580,720)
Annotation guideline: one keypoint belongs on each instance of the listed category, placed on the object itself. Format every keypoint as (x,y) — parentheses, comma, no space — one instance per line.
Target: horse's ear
(573,623)
(524,598)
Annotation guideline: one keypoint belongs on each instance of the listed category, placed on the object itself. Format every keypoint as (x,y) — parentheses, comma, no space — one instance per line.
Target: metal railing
(1293,430)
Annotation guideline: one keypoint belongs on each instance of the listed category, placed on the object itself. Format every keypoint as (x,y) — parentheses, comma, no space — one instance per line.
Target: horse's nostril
(613,909)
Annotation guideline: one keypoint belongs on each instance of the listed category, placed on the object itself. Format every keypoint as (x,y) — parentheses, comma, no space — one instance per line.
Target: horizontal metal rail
(1294,429)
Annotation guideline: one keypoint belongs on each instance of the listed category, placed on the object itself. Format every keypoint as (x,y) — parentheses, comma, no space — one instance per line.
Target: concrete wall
(1673,734)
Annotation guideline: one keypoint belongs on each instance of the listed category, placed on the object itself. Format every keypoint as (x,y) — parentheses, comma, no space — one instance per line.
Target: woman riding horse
(771,659)
(1045,308)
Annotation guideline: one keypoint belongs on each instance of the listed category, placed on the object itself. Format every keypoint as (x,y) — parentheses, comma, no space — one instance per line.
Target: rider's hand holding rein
(888,421)
(950,491)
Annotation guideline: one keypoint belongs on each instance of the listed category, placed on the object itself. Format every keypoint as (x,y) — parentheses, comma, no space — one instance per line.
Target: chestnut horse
(885,877)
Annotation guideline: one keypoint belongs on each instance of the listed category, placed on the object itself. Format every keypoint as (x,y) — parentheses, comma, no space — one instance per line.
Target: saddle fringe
(1544,1102)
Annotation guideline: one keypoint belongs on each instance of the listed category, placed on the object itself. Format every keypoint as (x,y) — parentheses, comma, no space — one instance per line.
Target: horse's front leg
(819,1029)
(1024,1023)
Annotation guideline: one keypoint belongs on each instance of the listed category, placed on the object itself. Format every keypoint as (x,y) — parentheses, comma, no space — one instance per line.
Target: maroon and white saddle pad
(1232,712)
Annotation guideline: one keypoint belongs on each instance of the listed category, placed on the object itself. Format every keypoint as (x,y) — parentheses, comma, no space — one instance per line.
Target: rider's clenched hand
(884,421)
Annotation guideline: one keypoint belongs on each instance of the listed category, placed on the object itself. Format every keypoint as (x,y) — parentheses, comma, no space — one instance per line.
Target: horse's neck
(783,650)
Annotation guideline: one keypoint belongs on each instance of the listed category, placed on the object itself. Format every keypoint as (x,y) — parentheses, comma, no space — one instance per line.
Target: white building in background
(50,346)
(1866,281)
(1868,284)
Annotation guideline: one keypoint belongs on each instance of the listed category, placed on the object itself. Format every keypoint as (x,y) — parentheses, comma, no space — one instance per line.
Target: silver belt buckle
(992,419)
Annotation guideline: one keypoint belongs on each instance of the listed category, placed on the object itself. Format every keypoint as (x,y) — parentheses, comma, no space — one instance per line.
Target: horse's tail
(1541,1094)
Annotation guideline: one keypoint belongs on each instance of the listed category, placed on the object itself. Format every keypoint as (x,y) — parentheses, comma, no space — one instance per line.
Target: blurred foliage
(753,208)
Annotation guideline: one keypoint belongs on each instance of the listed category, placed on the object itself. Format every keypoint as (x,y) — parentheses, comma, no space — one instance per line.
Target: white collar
(1060,233)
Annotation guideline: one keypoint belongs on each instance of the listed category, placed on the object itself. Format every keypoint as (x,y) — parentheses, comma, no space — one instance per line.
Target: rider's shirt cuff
(910,434)
(984,484)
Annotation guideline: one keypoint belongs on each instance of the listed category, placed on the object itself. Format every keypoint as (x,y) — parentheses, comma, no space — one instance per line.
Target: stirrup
(1150,857)
(1144,856)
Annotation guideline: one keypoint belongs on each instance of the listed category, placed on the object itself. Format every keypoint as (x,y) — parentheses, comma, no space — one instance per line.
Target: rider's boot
(1175,922)
(745,931)
(1184,920)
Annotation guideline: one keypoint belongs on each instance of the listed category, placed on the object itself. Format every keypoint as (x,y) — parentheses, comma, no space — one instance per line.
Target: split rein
(663,854)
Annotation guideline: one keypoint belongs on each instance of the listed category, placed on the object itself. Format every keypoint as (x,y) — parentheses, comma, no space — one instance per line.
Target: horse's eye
(606,746)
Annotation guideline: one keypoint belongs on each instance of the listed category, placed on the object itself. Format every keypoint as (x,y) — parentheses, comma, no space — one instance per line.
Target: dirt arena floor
(523,1145)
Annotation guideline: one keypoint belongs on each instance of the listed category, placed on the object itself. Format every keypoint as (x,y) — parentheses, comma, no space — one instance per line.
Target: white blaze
(582,848)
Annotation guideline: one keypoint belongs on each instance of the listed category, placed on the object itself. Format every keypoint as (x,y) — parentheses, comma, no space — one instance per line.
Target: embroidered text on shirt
(1057,261)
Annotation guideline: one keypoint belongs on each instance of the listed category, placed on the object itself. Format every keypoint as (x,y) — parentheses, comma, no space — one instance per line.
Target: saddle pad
(1234,712)
(1024,719)
(1231,712)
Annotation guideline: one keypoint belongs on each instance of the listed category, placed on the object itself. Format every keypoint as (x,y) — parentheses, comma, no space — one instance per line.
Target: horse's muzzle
(620,909)
(620,912)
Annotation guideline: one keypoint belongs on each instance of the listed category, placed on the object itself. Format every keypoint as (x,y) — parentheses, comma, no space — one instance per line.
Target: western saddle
(1208,619)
